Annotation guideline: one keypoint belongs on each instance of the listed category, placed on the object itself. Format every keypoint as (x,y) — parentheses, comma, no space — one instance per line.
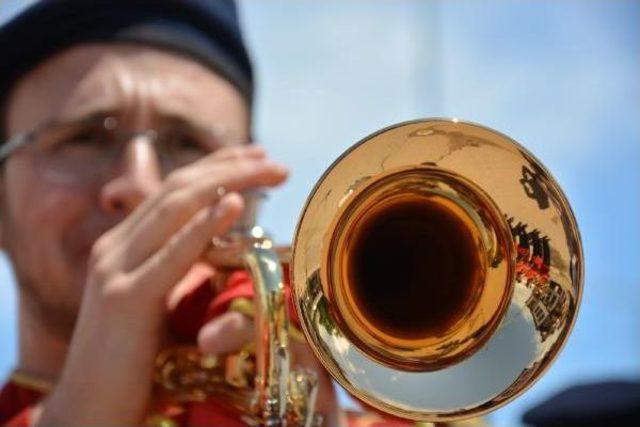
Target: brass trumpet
(436,270)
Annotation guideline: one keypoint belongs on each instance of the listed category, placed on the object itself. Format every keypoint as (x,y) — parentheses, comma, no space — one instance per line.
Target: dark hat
(206,30)
(607,403)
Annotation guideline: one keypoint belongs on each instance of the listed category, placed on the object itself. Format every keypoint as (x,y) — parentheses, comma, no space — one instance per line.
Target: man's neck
(41,349)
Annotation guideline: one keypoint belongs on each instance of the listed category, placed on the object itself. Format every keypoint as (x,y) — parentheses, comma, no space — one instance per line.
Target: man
(127,126)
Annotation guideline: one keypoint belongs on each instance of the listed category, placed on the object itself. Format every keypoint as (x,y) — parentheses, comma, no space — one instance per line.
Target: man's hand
(107,377)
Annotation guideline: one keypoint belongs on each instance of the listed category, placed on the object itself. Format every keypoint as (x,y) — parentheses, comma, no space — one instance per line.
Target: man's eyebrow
(182,121)
(211,129)
(165,119)
(87,116)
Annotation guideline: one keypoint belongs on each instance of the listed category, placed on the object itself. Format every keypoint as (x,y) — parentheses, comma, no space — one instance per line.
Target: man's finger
(199,168)
(172,261)
(178,207)
(226,333)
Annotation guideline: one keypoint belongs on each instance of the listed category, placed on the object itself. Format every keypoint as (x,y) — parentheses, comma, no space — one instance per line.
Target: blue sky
(561,77)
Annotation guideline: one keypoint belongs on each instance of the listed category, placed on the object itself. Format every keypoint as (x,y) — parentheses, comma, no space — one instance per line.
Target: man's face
(48,225)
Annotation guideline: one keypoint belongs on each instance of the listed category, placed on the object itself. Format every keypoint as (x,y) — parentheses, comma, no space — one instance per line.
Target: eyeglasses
(72,152)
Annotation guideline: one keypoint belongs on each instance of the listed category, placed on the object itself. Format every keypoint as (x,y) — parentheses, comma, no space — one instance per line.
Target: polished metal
(529,291)
(521,293)
(265,390)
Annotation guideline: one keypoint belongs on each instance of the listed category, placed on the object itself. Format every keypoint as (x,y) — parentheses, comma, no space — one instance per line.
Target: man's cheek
(54,224)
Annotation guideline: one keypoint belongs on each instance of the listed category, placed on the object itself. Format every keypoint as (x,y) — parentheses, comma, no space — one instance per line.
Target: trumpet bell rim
(546,276)
(490,286)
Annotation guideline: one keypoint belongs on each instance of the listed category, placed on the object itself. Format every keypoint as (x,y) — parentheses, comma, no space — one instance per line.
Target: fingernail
(254,146)
(228,203)
(220,210)
(208,337)
(280,168)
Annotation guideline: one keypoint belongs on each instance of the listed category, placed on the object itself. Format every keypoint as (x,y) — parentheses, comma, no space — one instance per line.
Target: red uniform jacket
(200,304)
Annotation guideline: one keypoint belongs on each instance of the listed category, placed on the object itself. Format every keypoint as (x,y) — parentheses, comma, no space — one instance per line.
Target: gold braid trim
(31,381)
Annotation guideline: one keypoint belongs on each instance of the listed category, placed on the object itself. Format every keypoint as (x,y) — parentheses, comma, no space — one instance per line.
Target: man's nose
(136,176)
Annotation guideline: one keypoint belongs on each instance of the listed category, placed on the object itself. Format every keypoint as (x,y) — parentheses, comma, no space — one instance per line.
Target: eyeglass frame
(252,198)
(23,139)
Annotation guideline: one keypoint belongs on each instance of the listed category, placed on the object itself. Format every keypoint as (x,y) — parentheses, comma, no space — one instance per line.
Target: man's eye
(185,142)
(87,142)
(86,137)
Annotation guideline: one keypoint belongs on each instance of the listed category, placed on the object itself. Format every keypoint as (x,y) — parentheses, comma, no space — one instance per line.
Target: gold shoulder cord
(31,381)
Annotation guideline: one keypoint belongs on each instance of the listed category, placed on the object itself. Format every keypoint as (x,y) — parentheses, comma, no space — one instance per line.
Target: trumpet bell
(437,269)
(419,267)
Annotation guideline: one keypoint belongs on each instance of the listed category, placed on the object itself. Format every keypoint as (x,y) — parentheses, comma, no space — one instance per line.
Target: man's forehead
(127,79)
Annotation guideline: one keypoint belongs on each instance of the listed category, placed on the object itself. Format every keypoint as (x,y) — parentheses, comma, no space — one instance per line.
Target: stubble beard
(56,314)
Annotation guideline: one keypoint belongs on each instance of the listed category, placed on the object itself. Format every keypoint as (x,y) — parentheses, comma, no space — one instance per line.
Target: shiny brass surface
(264,390)
(284,397)
(527,282)
(436,269)
(431,316)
